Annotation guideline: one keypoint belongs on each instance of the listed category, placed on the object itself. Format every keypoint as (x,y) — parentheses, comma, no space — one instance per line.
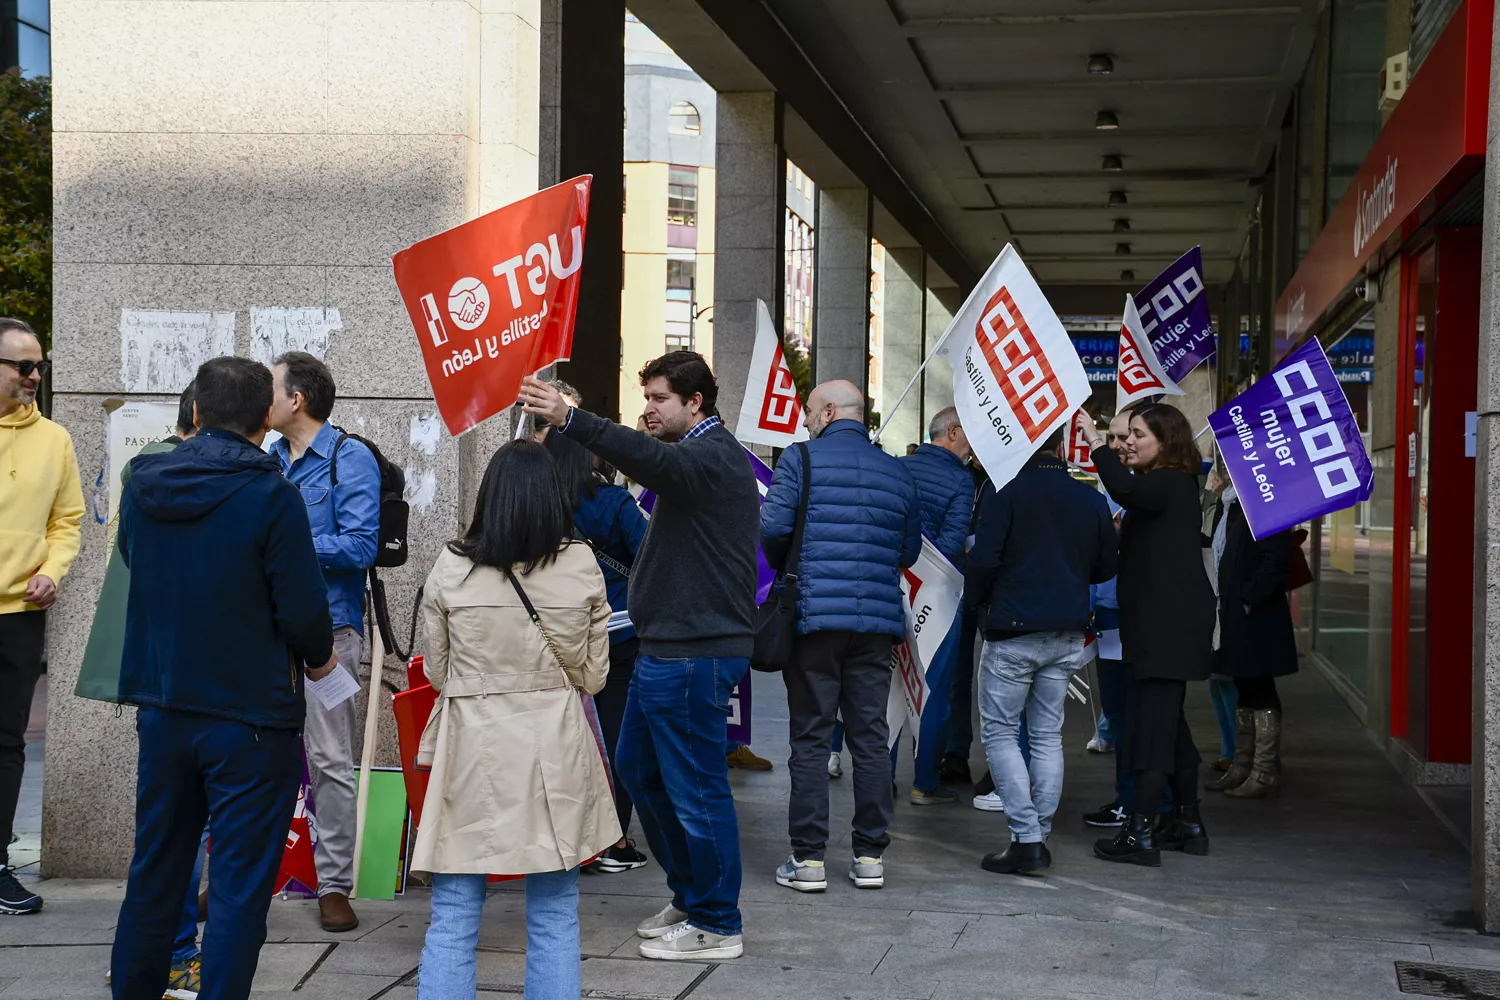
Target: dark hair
(311,377)
(7,324)
(520,515)
(687,373)
(576,473)
(1053,440)
(1175,435)
(185,408)
(233,394)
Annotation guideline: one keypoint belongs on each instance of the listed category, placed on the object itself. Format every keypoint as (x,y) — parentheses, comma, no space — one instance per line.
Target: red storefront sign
(1433,142)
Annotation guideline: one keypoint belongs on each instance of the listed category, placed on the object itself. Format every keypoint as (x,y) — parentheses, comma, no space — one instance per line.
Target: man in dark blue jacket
(863,526)
(946,491)
(1041,540)
(215,661)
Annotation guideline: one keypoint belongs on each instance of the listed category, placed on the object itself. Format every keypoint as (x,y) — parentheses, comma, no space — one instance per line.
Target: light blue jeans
(449,960)
(1027,675)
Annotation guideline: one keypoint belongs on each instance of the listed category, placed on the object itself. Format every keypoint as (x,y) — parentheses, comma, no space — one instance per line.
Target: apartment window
(682,196)
(624,186)
(682,302)
(683,119)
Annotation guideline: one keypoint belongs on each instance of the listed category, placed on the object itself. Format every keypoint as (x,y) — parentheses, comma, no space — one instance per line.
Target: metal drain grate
(1448,981)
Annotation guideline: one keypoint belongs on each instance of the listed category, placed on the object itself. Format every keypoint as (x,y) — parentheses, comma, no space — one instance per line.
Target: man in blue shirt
(345,521)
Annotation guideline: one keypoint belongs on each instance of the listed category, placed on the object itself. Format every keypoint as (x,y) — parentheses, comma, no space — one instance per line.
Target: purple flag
(1292,446)
(739,698)
(1174,314)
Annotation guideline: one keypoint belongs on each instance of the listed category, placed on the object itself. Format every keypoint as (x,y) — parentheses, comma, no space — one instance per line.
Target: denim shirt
(345,520)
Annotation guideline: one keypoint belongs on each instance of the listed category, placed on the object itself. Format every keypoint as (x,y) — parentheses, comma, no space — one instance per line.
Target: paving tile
(328,986)
(282,966)
(62,973)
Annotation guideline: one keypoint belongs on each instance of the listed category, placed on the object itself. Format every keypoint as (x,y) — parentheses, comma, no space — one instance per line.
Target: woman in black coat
(1257,644)
(1166,626)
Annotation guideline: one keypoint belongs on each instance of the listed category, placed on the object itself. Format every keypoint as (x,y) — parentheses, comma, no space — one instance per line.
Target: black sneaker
(1113,814)
(954,770)
(14,897)
(984,785)
(619,859)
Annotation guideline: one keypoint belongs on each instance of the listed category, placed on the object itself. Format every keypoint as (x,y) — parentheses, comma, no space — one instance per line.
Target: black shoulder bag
(776,620)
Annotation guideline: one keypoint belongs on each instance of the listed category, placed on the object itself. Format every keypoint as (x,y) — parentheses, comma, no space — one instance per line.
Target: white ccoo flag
(1140,373)
(931,591)
(771,413)
(1016,374)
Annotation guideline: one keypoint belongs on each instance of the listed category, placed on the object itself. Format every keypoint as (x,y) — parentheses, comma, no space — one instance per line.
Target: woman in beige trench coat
(518,784)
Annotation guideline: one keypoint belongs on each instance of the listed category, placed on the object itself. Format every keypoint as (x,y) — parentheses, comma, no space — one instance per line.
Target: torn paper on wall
(160,351)
(426,429)
(274,330)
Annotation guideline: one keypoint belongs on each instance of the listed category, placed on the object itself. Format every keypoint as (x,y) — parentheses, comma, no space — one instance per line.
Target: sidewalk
(1315,895)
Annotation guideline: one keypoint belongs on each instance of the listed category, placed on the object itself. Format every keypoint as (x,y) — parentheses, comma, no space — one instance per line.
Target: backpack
(394,510)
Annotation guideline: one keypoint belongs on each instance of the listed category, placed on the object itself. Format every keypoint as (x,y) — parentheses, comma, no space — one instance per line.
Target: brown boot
(745,759)
(1264,780)
(1244,754)
(336,913)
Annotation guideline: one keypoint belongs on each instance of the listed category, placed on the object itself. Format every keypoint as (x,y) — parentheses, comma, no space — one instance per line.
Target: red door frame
(1401,508)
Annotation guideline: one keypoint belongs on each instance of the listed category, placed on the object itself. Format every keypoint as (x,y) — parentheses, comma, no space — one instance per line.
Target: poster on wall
(132,426)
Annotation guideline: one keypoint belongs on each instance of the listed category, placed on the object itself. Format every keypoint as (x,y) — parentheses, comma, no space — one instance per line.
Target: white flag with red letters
(1079,452)
(1016,374)
(1139,373)
(931,591)
(771,413)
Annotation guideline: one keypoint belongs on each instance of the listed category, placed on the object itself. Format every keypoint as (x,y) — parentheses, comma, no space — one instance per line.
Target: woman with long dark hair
(516,618)
(1166,626)
(607,516)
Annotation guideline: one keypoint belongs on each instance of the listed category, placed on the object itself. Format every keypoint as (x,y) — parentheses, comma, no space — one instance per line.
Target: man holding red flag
(692,599)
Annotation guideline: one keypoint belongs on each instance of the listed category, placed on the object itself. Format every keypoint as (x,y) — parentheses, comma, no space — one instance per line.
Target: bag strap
(333,461)
(536,620)
(794,558)
(604,557)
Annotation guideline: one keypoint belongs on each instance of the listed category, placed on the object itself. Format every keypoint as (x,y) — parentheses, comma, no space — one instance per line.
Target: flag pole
(885,418)
(372,735)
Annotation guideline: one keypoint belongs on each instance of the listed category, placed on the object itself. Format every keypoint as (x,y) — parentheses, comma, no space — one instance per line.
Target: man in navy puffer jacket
(863,527)
(946,491)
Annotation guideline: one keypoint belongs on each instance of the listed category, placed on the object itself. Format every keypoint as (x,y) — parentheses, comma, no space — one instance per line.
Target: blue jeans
(1226,698)
(190,768)
(186,948)
(672,759)
(553,963)
(1027,675)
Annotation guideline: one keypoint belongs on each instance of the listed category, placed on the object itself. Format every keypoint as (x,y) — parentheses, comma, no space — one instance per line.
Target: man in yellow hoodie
(41,511)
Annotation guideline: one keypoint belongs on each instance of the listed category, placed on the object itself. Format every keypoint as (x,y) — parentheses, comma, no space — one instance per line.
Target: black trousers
(20,665)
(610,704)
(1258,693)
(1160,744)
(845,673)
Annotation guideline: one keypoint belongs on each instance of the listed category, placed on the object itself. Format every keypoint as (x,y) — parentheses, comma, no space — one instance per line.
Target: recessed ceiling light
(1122,249)
(1117,199)
(1112,164)
(1122,225)
(1101,64)
(1127,275)
(1106,121)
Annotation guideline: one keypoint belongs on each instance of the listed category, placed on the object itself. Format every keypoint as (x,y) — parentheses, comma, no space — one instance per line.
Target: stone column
(841,340)
(902,331)
(255,175)
(1485,845)
(749,238)
(942,303)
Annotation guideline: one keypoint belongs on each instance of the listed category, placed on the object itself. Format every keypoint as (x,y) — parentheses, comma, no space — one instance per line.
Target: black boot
(1135,844)
(953,769)
(1184,831)
(1018,859)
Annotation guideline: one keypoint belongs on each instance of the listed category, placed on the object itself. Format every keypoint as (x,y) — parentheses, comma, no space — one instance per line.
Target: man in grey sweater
(692,599)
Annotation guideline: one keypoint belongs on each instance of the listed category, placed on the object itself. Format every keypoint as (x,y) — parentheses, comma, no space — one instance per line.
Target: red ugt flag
(494,300)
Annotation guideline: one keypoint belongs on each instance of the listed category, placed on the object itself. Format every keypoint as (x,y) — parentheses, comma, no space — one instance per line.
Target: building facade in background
(26,36)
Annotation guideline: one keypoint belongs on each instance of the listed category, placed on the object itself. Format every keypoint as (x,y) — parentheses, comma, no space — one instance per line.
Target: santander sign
(1374,207)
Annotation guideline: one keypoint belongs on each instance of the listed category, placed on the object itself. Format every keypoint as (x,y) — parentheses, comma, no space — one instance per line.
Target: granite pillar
(937,383)
(1485,843)
(903,345)
(749,235)
(841,344)
(264,162)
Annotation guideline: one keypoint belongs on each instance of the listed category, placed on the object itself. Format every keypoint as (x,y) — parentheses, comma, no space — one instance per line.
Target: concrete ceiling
(986,111)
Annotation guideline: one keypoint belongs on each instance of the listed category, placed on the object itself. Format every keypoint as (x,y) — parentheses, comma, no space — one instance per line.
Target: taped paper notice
(131,428)
(161,351)
(274,330)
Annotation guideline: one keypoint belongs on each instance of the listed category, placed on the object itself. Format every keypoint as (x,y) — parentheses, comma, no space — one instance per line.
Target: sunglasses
(27,367)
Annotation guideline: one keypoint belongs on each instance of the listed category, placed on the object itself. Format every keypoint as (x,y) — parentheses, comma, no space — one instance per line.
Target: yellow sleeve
(65,521)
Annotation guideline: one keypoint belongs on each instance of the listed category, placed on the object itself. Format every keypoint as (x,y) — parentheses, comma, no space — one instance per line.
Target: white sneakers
(670,938)
(989,803)
(835,766)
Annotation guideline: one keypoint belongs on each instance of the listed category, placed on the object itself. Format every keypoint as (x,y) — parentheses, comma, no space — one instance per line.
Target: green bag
(99,677)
